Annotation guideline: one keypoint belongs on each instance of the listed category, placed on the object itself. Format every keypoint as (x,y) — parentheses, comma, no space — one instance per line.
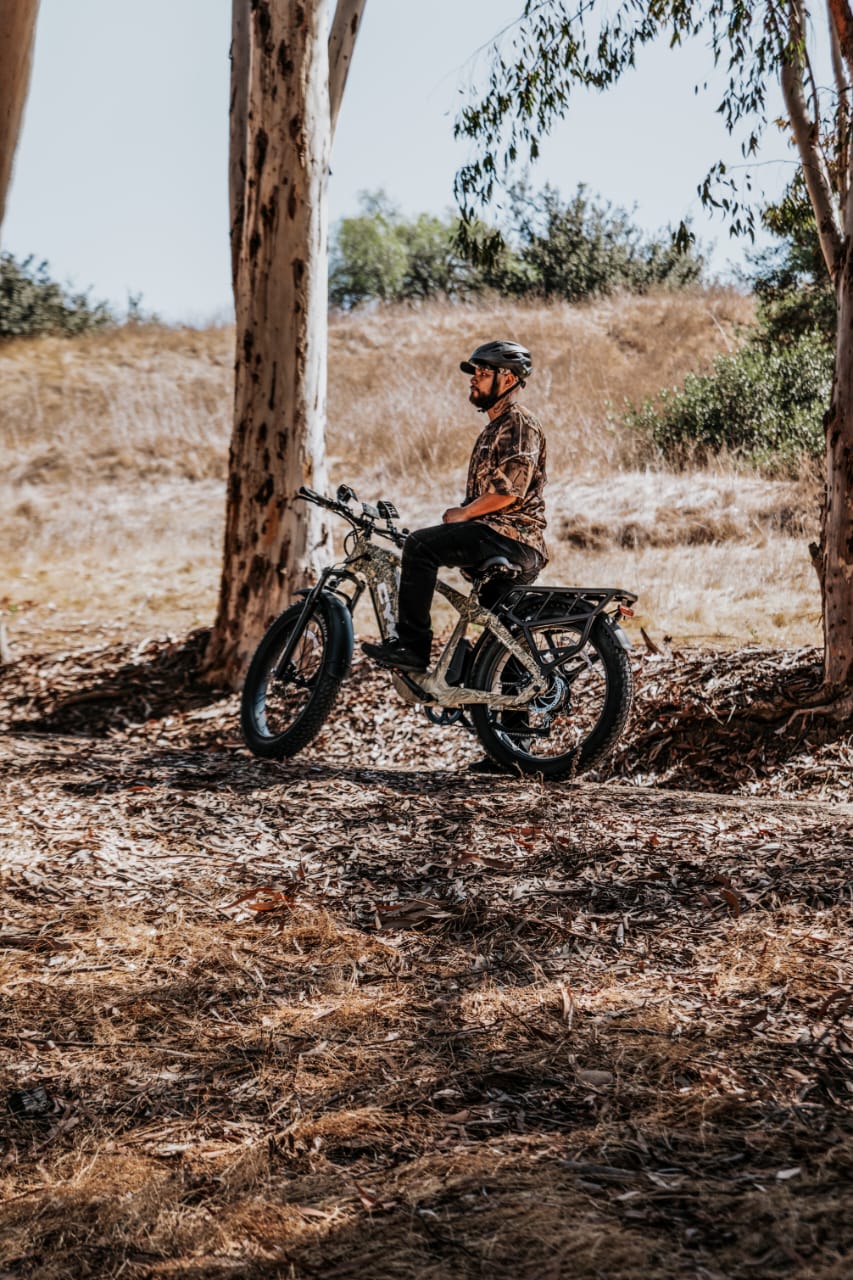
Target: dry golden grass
(127,404)
(397,397)
(113,447)
(145,400)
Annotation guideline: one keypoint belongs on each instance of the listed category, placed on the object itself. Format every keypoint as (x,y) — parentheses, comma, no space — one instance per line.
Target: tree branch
(842,111)
(342,37)
(807,137)
(842,24)
(241,60)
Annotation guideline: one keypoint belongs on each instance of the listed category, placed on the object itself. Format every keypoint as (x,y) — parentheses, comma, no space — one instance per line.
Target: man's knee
(419,547)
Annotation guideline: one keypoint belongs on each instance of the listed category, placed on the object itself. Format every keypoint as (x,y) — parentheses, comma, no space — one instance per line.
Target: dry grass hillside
(113,447)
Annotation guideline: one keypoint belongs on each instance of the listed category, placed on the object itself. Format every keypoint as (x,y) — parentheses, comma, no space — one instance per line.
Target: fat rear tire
(584,729)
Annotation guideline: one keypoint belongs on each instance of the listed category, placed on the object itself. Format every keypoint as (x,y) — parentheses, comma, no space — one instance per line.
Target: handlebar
(363,521)
(310,495)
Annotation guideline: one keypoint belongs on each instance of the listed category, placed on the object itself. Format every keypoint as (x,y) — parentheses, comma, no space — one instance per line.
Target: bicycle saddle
(498,565)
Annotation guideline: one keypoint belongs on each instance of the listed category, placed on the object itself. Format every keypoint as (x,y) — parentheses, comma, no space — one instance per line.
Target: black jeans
(460,546)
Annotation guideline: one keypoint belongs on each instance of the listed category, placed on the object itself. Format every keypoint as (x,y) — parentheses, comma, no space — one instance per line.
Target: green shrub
(572,250)
(763,405)
(32,303)
(368,259)
(381,255)
(585,248)
(790,279)
(433,266)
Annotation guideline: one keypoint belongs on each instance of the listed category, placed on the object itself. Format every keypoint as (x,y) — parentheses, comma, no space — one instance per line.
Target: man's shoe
(392,653)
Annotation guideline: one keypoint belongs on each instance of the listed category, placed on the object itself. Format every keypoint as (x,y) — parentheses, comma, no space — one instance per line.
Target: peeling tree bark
(835,555)
(241,71)
(17,31)
(836,544)
(281,333)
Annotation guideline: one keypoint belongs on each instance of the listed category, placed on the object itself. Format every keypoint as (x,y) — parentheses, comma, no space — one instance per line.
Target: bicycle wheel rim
(283,694)
(558,725)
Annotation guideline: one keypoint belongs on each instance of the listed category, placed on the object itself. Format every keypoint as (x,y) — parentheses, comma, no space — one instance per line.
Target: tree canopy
(574,249)
(557,49)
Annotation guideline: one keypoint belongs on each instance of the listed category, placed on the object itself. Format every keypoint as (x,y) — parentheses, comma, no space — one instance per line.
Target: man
(503,513)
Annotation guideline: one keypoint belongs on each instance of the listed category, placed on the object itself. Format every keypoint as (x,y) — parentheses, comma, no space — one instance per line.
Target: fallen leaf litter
(364,1014)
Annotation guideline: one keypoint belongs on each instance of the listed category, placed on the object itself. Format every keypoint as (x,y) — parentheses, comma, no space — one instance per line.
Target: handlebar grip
(310,495)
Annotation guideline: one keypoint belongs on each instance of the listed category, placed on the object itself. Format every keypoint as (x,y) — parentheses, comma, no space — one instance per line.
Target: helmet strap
(494,395)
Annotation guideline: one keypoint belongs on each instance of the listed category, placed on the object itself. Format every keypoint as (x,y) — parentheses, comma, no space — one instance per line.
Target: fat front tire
(575,723)
(284,707)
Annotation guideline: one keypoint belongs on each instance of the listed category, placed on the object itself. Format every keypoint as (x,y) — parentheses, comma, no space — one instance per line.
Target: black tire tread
(620,697)
(314,715)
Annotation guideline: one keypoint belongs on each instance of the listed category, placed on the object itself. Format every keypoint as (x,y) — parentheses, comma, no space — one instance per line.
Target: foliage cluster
(790,279)
(585,248)
(574,250)
(767,401)
(558,48)
(31,303)
(763,403)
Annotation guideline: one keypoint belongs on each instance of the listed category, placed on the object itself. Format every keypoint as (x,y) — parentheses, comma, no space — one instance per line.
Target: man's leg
(463,546)
(458,546)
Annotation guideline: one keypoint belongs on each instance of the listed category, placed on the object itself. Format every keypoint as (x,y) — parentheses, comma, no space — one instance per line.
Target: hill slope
(113,447)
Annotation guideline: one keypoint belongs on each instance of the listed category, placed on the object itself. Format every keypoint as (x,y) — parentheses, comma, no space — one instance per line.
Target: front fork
(311,595)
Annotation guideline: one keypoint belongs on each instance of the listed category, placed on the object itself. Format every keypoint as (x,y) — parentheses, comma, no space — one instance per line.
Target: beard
(483,398)
(486,400)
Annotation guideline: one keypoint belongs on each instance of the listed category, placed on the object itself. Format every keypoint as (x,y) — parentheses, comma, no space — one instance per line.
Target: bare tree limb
(842,111)
(241,67)
(807,137)
(342,37)
(841,18)
(17,31)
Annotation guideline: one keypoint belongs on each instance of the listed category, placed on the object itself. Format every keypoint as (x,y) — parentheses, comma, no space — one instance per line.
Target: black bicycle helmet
(501,355)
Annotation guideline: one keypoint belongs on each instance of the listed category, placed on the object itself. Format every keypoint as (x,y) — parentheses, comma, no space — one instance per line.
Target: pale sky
(121,173)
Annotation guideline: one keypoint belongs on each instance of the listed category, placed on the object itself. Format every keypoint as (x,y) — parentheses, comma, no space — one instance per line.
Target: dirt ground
(365,1015)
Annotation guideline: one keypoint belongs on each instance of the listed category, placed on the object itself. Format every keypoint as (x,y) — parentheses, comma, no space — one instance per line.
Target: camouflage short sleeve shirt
(509,457)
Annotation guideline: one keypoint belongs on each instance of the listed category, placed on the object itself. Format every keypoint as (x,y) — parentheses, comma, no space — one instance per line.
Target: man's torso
(509,457)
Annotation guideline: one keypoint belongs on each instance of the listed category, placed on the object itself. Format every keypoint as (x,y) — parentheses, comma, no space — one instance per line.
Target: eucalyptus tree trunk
(280,268)
(17,31)
(836,544)
(836,541)
(829,191)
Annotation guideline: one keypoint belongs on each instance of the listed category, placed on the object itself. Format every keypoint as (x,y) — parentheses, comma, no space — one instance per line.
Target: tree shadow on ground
(417,1137)
(94,693)
(718,722)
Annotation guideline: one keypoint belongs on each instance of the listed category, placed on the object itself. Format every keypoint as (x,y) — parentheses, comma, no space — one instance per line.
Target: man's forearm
(482,506)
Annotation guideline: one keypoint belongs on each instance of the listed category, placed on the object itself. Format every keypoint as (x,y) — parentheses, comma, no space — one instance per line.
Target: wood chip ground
(366,1015)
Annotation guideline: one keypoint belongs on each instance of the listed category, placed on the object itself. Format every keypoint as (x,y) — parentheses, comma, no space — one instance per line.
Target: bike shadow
(202,770)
